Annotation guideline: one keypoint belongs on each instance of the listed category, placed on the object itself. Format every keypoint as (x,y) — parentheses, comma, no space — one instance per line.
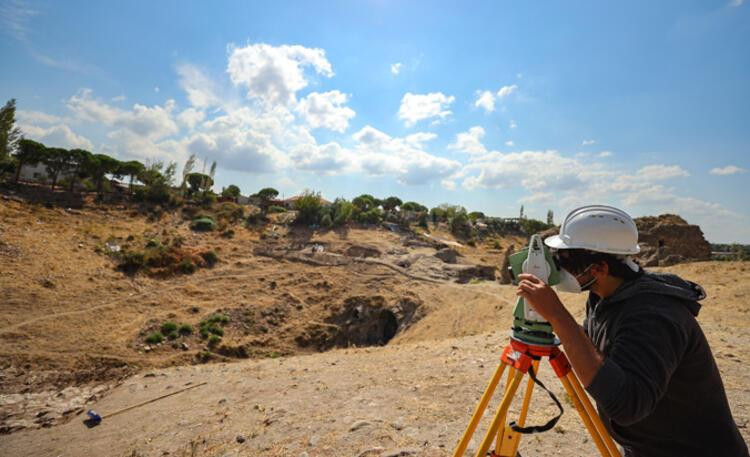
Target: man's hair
(577,260)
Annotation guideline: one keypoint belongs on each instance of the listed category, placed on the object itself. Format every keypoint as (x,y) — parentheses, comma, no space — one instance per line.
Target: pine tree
(9,133)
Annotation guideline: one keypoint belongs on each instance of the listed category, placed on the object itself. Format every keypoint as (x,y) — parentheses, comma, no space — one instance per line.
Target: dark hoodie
(659,391)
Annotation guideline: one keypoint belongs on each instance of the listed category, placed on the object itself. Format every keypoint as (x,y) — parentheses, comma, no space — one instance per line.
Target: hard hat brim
(556,242)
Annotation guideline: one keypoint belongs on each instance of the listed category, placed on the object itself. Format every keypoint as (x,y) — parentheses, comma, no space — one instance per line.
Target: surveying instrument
(532,339)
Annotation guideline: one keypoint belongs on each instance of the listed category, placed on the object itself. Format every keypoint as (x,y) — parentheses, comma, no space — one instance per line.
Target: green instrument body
(528,326)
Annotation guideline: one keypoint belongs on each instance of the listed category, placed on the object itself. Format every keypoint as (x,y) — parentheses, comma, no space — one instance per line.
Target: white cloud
(119,98)
(58,135)
(736,3)
(661,172)
(506,90)
(326,110)
(420,138)
(510,143)
(36,117)
(190,117)
(14,15)
(379,154)
(512,124)
(728,170)
(329,158)
(201,90)
(486,100)
(416,107)
(396,68)
(274,74)
(470,141)
(605,154)
(153,122)
(588,142)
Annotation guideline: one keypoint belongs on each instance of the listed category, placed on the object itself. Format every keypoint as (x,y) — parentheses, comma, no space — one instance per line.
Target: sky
(490,105)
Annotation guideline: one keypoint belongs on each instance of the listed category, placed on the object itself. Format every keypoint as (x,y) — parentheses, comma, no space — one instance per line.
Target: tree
(199,181)
(521,215)
(158,181)
(366,202)
(10,135)
(550,217)
(342,211)
(99,166)
(231,191)
(308,208)
(56,161)
(78,160)
(132,168)
(266,195)
(413,206)
(28,153)
(391,203)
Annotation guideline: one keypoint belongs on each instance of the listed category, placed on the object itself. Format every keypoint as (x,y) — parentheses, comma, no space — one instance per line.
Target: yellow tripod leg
(611,446)
(479,410)
(585,417)
(502,410)
(508,439)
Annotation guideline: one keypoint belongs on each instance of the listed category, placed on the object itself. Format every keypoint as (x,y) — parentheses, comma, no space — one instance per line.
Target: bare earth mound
(72,337)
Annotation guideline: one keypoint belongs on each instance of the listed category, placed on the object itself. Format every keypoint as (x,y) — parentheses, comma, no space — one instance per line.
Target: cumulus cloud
(57,135)
(379,154)
(587,142)
(326,110)
(37,117)
(506,90)
(201,91)
(509,143)
(420,138)
(728,170)
(396,68)
(274,74)
(470,141)
(485,100)
(153,122)
(416,107)
(190,117)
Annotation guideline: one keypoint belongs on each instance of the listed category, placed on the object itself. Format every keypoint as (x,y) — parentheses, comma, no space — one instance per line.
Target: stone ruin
(668,239)
(665,240)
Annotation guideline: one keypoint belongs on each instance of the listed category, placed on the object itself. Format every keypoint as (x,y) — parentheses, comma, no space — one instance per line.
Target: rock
(371,451)
(184,346)
(147,348)
(363,251)
(240,439)
(670,235)
(399,452)
(466,273)
(359,424)
(447,255)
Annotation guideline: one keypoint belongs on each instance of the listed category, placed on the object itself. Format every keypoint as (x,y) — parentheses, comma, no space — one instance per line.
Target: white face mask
(569,283)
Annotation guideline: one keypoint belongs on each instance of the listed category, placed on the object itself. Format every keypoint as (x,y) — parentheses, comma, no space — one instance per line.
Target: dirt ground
(72,337)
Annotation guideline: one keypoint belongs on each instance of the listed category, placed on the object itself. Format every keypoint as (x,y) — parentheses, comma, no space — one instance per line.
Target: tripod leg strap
(539,428)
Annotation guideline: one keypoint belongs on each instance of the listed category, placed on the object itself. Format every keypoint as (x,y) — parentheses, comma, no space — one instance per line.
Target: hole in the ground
(361,321)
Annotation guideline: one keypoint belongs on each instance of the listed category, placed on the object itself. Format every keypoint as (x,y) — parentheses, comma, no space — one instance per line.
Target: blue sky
(491,105)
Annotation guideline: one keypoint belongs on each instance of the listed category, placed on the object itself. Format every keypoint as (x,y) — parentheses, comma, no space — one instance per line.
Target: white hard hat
(597,228)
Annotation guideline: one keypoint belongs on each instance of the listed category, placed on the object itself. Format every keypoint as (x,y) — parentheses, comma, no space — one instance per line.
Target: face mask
(569,283)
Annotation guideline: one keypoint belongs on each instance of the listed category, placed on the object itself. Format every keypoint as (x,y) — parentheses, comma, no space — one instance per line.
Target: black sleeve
(644,350)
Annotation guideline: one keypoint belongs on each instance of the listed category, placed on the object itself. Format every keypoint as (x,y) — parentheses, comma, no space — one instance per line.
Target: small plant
(213,340)
(203,224)
(276,209)
(496,245)
(210,257)
(168,327)
(185,329)
(155,338)
(173,335)
(187,267)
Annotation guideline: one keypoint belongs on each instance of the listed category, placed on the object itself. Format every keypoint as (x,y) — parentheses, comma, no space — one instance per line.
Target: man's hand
(541,297)
(581,352)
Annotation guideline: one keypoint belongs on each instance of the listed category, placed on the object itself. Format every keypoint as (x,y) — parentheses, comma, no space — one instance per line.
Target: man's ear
(600,269)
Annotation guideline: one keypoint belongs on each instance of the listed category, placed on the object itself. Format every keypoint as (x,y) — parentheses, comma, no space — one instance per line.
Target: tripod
(523,358)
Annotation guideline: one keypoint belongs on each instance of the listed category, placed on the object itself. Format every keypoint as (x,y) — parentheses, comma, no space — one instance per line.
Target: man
(640,353)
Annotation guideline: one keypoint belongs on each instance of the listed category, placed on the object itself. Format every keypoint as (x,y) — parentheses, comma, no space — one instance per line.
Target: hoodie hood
(667,284)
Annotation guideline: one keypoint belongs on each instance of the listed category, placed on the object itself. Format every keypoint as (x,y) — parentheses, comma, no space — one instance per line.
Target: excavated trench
(362,321)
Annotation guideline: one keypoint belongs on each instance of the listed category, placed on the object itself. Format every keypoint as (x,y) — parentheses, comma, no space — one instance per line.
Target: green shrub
(276,209)
(326,221)
(203,224)
(131,261)
(185,329)
(308,208)
(213,340)
(210,257)
(155,338)
(372,216)
(186,267)
(230,212)
(173,335)
(168,327)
